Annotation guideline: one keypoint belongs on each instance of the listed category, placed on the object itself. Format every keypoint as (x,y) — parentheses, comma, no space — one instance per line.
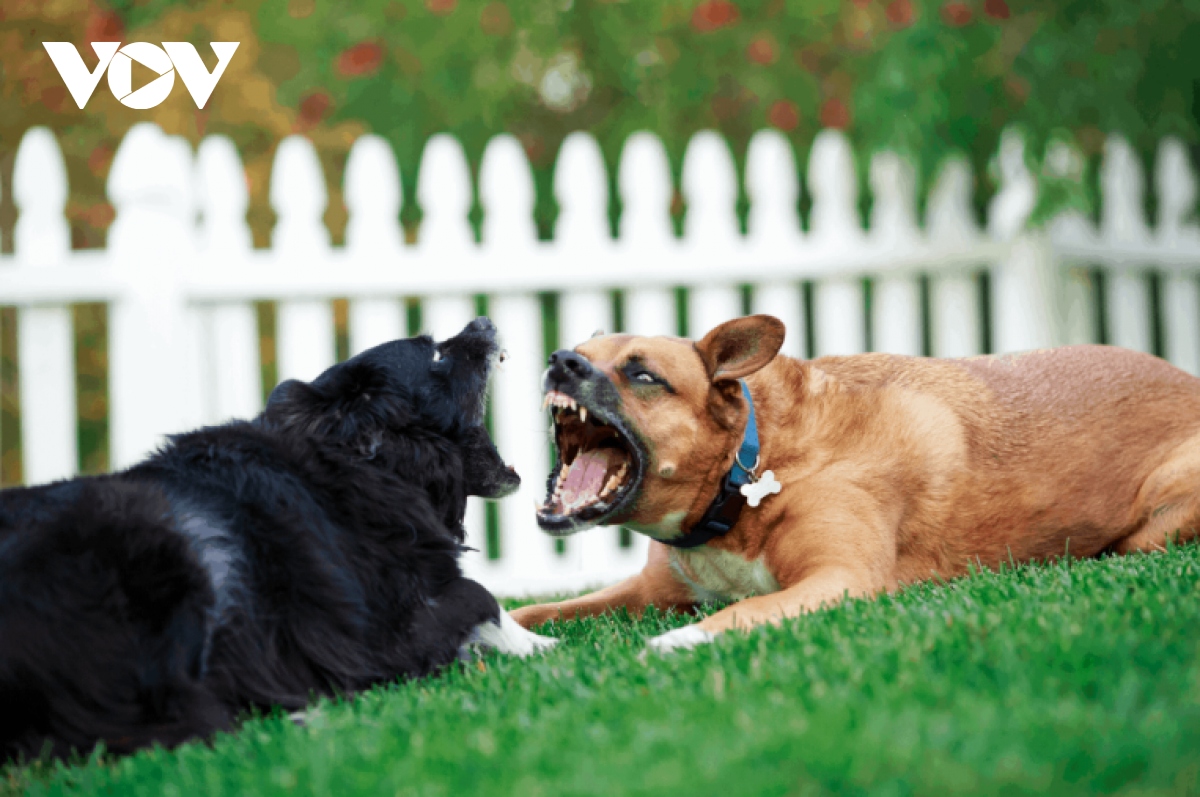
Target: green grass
(1073,677)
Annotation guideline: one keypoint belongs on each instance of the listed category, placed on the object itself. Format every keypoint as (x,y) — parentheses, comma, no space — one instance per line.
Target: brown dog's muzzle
(600,460)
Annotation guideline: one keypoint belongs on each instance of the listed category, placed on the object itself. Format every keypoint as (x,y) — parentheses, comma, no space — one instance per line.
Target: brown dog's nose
(565,364)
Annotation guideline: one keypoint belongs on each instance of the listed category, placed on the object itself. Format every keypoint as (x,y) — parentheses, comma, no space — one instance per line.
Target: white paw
(681,638)
(507,636)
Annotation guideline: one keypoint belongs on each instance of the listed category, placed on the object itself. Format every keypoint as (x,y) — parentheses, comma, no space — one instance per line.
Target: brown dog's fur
(893,469)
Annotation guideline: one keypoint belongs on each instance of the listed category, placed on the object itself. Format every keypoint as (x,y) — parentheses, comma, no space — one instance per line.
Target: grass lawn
(1075,677)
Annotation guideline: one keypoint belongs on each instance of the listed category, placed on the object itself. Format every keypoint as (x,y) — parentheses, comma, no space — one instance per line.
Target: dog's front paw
(681,638)
(507,636)
(531,616)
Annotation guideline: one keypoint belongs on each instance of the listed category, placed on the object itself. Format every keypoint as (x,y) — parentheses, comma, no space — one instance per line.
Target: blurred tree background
(924,77)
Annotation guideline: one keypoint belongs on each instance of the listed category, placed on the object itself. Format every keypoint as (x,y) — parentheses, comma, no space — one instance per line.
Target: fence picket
(372,189)
(956,326)
(150,184)
(711,233)
(506,193)
(840,323)
(1025,287)
(46,352)
(1122,222)
(644,179)
(897,300)
(773,226)
(1080,299)
(1175,180)
(304,327)
(232,379)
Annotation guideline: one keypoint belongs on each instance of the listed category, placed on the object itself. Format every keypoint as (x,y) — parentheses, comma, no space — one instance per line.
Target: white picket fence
(179,276)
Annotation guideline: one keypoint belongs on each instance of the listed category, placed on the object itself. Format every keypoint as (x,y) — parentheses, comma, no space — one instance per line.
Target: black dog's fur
(311,550)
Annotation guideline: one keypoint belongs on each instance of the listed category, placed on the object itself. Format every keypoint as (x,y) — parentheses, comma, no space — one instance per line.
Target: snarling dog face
(640,422)
(405,400)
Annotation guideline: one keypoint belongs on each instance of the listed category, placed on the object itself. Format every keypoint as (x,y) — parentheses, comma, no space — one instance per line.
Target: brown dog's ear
(740,347)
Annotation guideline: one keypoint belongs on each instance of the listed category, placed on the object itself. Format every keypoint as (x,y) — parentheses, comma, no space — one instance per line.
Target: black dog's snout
(481,324)
(565,364)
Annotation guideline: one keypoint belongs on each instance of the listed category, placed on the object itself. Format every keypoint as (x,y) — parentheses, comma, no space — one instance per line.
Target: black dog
(312,550)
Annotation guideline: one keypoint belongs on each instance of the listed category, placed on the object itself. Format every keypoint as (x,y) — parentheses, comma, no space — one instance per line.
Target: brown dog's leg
(822,588)
(1170,502)
(655,586)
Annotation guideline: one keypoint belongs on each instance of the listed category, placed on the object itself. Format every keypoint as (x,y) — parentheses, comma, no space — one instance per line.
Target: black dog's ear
(284,391)
(287,403)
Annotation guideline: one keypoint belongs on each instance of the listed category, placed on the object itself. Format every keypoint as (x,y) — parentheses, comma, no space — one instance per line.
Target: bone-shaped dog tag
(759,489)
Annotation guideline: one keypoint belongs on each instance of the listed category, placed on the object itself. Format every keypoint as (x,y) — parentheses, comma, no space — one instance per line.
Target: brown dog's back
(1056,445)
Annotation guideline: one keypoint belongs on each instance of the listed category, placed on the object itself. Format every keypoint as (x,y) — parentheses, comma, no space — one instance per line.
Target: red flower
(762,50)
(99,159)
(534,146)
(713,15)
(784,115)
(98,215)
(313,108)
(363,58)
(103,26)
(900,13)
(495,19)
(996,9)
(1017,87)
(809,58)
(440,7)
(54,98)
(834,113)
(956,14)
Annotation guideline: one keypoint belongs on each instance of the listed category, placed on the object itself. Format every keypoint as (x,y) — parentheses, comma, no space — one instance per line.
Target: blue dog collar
(745,462)
(722,514)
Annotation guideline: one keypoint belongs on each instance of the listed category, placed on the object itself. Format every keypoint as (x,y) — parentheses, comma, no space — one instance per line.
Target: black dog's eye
(437,356)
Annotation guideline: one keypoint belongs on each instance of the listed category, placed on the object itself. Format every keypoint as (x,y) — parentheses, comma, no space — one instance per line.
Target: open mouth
(597,471)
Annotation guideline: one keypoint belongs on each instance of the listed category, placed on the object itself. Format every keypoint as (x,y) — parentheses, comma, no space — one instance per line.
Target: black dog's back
(104,620)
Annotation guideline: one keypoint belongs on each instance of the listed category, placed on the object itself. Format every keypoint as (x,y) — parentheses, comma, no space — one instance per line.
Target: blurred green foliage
(925,77)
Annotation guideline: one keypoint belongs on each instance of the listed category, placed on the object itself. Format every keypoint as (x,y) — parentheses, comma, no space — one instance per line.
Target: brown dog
(891,469)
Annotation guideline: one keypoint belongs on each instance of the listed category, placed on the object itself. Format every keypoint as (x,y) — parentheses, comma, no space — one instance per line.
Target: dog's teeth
(572,404)
(613,482)
(583,413)
(546,402)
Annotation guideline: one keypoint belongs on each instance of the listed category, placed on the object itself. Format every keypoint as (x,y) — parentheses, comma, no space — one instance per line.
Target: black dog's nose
(568,363)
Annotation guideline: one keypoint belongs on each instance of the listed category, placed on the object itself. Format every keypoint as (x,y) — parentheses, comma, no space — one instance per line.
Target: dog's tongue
(586,476)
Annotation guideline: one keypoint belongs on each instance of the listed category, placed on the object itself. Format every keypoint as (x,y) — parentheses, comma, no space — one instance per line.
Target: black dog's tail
(104,624)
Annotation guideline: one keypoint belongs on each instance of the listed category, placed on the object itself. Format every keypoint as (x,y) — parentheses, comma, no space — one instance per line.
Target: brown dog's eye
(637,373)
